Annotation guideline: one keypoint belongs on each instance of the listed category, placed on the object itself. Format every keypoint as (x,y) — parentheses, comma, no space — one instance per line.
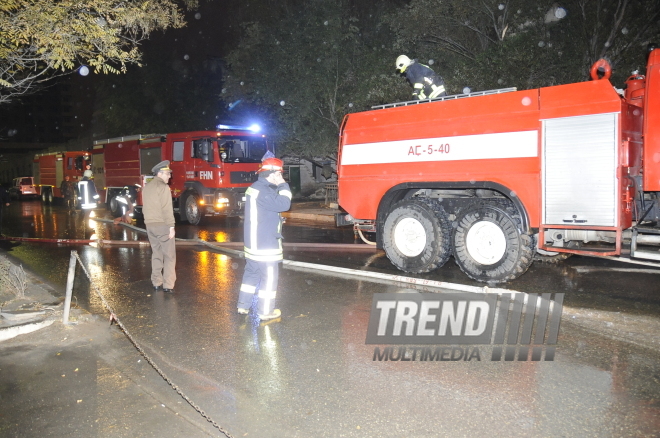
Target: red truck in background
(210,169)
(50,169)
(498,177)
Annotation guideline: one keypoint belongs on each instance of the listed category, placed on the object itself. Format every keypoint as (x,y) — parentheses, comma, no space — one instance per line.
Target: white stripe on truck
(522,144)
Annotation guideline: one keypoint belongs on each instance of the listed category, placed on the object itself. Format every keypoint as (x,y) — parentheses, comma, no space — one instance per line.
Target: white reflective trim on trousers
(88,206)
(437,91)
(273,251)
(248,289)
(264,258)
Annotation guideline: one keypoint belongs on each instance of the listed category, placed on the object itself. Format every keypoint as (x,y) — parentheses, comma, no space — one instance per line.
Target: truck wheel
(115,208)
(193,212)
(47,196)
(488,243)
(416,236)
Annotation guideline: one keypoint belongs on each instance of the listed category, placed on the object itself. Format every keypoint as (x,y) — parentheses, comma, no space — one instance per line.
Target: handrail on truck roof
(127,138)
(452,97)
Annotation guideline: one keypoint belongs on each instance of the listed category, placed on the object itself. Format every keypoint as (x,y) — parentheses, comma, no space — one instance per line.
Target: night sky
(64,109)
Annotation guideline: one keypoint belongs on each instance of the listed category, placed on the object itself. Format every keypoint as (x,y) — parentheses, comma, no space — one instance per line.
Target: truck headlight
(221,202)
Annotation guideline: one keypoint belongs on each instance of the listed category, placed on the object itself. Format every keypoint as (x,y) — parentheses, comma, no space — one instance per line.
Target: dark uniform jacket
(67,189)
(157,203)
(263,222)
(426,82)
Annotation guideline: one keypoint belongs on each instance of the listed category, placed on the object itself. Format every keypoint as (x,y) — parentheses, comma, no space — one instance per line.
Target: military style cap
(163,165)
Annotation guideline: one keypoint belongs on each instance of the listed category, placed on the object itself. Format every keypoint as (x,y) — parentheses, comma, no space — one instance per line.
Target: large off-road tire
(193,213)
(416,236)
(488,243)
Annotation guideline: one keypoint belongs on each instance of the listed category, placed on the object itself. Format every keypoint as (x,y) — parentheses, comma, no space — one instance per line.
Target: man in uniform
(265,200)
(426,83)
(159,220)
(68,192)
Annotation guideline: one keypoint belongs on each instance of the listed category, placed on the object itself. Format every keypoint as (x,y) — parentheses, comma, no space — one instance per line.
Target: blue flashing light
(254,127)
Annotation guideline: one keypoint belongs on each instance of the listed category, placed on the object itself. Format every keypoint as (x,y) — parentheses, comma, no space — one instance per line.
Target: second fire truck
(51,168)
(210,169)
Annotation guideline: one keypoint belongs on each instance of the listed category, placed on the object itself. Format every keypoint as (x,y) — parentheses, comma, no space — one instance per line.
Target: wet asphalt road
(311,373)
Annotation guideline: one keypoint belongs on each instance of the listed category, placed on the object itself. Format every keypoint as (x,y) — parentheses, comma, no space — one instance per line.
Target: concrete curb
(15,330)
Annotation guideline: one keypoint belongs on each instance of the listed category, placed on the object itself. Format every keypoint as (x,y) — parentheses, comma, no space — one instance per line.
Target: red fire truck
(51,168)
(210,169)
(493,178)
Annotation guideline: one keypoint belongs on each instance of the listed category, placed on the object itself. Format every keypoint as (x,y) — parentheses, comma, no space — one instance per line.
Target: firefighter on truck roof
(426,83)
(265,200)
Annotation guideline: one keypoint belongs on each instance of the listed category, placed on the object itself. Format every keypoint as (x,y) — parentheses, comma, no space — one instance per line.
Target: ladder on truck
(452,97)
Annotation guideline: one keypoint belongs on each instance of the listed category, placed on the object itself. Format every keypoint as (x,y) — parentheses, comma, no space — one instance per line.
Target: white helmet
(87,174)
(402,63)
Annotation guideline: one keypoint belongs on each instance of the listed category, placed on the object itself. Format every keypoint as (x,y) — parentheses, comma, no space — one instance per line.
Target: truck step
(648,255)
(643,254)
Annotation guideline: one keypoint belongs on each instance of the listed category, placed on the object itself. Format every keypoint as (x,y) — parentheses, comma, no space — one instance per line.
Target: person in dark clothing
(426,83)
(265,200)
(4,202)
(68,192)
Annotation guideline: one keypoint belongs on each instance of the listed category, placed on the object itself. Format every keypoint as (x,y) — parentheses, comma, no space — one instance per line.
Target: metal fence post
(69,287)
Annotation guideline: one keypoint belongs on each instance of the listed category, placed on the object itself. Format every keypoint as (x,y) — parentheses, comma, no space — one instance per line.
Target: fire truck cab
(210,169)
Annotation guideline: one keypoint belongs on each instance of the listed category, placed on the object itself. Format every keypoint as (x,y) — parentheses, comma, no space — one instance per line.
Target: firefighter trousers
(261,278)
(163,256)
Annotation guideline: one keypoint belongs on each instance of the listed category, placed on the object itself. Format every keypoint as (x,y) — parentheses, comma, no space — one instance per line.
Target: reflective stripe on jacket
(87,194)
(262,232)
(426,83)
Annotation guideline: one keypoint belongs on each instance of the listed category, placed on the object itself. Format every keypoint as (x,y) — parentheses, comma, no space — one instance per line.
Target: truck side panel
(122,164)
(488,138)
(652,124)
(583,176)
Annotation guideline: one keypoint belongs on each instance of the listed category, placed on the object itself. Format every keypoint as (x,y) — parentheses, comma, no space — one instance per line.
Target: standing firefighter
(265,200)
(68,192)
(426,83)
(159,220)
(87,192)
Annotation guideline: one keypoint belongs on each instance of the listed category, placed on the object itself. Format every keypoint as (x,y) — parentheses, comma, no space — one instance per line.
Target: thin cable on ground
(113,317)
